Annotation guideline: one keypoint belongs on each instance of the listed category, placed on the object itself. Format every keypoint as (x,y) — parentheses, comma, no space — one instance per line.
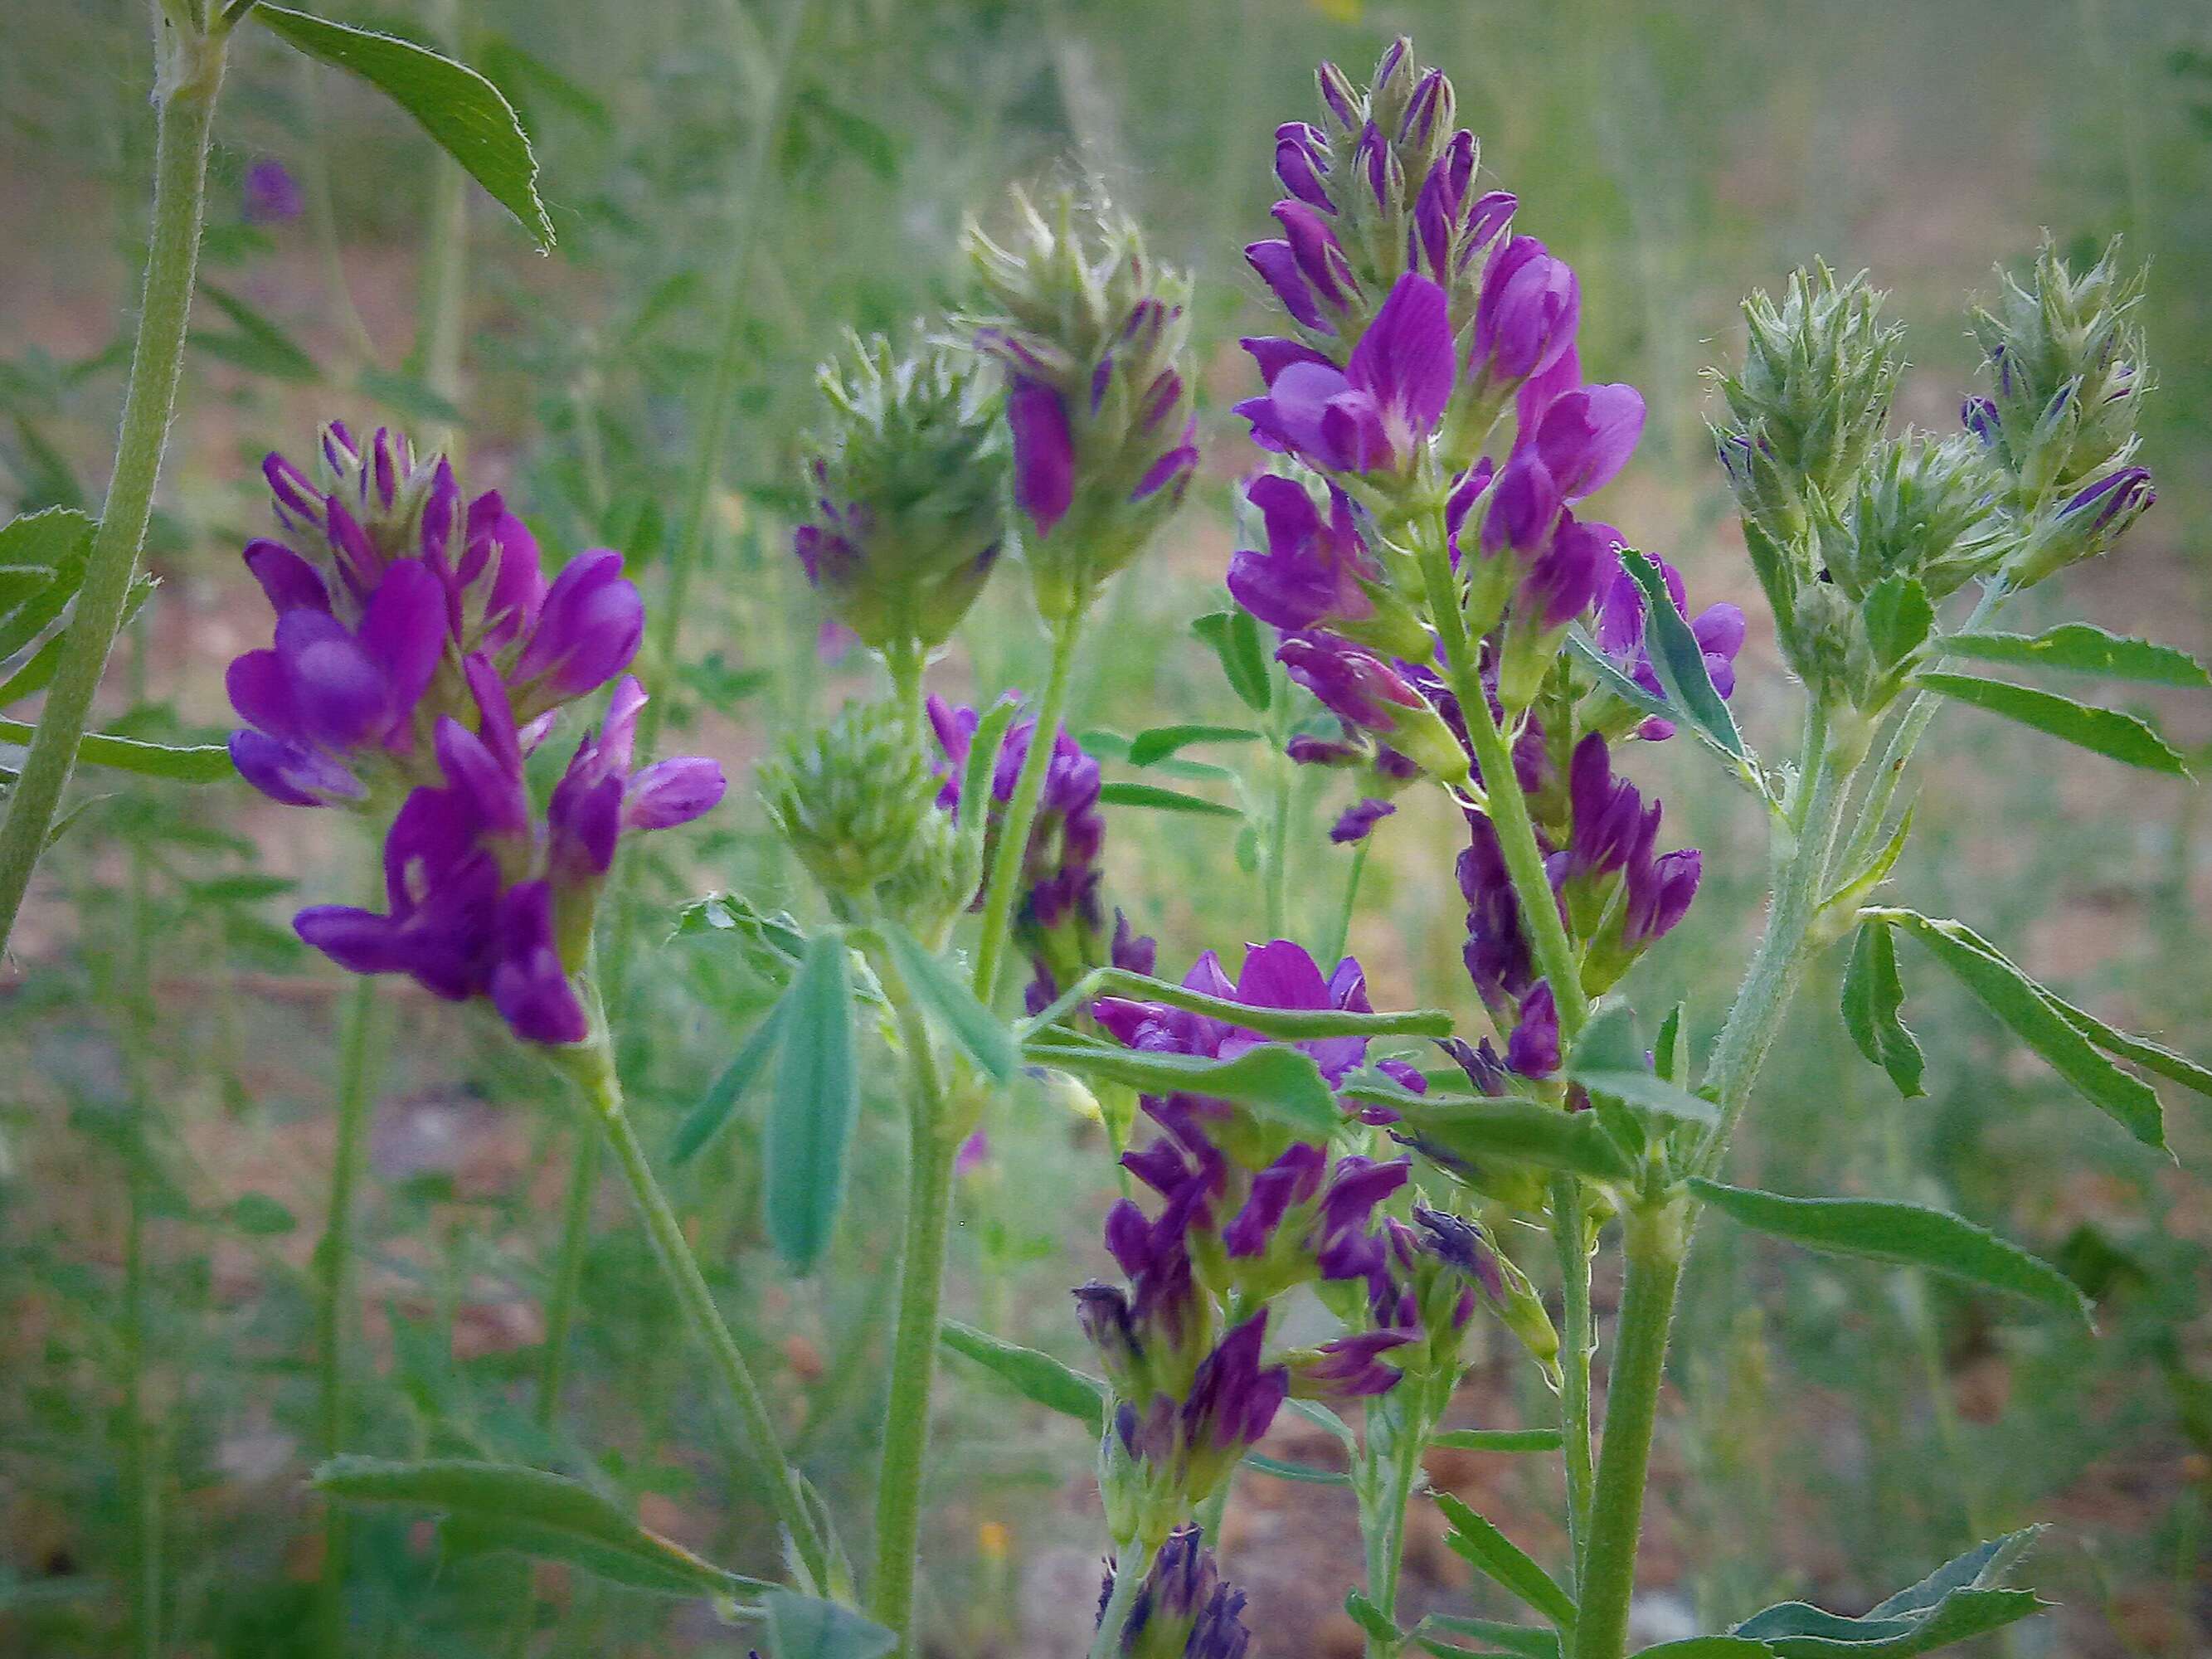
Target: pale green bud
(853,798)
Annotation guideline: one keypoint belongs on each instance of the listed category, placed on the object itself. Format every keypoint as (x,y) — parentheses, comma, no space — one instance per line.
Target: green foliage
(818,1098)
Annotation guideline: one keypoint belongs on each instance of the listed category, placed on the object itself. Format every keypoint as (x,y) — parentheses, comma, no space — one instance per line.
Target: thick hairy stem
(1577,1341)
(1129,1578)
(1655,1238)
(1399,1472)
(1003,883)
(334,1293)
(190,72)
(913,1342)
(603,1092)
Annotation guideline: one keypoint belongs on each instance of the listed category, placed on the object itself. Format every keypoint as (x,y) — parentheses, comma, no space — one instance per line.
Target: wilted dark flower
(1182,1610)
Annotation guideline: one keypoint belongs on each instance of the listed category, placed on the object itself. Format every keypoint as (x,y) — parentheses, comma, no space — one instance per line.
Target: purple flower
(1182,1608)
(1562,582)
(1314,570)
(1659,894)
(2116,499)
(1585,437)
(529,986)
(1044,452)
(1365,692)
(1301,163)
(1979,416)
(1374,413)
(1524,508)
(585,632)
(1358,819)
(1533,1049)
(1610,815)
(1348,1367)
(271,195)
(1526,314)
(1719,630)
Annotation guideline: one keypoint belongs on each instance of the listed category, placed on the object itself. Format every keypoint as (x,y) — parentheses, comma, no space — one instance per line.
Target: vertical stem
(333,1306)
(1006,873)
(1114,1618)
(1407,1429)
(567,1273)
(595,1071)
(189,77)
(1577,1340)
(1656,1237)
(1342,937)
(1276,899)
(930,1156)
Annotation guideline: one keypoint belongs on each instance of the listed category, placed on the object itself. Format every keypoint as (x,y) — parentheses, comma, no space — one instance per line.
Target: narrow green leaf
(1678,659)
(1283,1470)
(1898,618)
(1856,891)
(1670,1054)
(800,1627)
(1326,1421)
(818,1098)
(1371,1619)
(1038,1377)
(2102,731)
(1158,800)
(1958,1601)
(2151,1056)
(2081,648)
(979,1032)
(1649,1093)
(2033,1016)
(506,1506)
(43,554)
(1610,678)
(1493,1553)
(255,343)
(1709,1647)
(1234,639)
(1480,1131)
(1274,1081)
(1149,747)
(1525,1640)
(1874,994)
(719,1105)
(36,673)
(260,1216)
(1498,1440)
(1907,1234)
(465,113)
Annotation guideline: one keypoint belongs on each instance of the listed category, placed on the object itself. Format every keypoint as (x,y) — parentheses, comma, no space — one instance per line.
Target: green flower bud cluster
(1922,507)
(856,801)
(909,473)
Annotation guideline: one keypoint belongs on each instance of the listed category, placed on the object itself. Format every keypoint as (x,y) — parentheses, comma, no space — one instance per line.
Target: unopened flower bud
(851,798)
(1820,370)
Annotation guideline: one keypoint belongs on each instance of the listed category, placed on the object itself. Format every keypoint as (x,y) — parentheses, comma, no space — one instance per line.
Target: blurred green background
(787,167)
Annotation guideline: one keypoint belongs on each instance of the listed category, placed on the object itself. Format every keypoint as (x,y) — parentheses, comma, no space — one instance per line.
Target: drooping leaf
(707,1121)
(1156,745)
(2151,1056)
(1159,799)
(1038,1377)
(500,1506)
(1492,1554)
(1874,994)
(980,1033)
(1274,1081)
(1708,1647)
(1677,658)
(1498,1440)
(817,1098)
(1957,1602)
(801,1627)
(464,112)
(1906,1235)
(2033,1016)
(1306,1472)
(1234,639)
(2102,731)
(2081,649)
(1478,1131)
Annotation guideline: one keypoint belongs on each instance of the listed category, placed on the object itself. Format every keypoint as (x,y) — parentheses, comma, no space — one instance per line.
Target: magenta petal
(1405,358)
(290,582)
(287,773)
(529,987)
(1356,435)
(473,768)
(255,681)
(1273,355)
(405,630)
(1586,436)
(673,791)
(337,690)
(1044,452)
(1278,267)
(588,629)
(359,941)
(1299,401)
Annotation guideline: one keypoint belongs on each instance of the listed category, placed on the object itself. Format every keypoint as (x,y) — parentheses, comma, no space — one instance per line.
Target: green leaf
(1306,1472)
(1522,1639)
(1610,1041)
(1898,618)
(259,1216)
(2151,1056)
(1957,1602)
(2034,1016)
(501,1506)
(1163,801)
(980,1033)
(42,558)
(1491,1552)
(2080,648)
(1670,1054)
(2103,731)
(254,343)
(1038,1377)
(1498,1440)
(771,944)
(1873,995)
(818,1098)
(1678,659)
(1854,891)
(1649,1093)
(1162,741)
(464,112)
(1478,1131)
(706,1120)
(800,1627)
(1610,678)
(1710,1647)
(1907,1234)
(409,394)
(1235,637)
(1274,1081)
(1327,1421)
(1373,1620)
(197,763)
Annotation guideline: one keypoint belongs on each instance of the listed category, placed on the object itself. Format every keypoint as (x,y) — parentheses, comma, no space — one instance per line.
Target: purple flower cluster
(1183,1609)
(1060,920)
(419,649)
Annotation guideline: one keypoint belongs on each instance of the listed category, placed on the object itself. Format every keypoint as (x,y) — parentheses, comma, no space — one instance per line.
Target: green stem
(595,1072)
(1276,900)
(568,1274)
(1005,879)
(1342,937)
(1655,1238)
(1577,1340)
(189,79)
(1386,1543)
(1113,1619)
(334,1293)
(932,1150)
